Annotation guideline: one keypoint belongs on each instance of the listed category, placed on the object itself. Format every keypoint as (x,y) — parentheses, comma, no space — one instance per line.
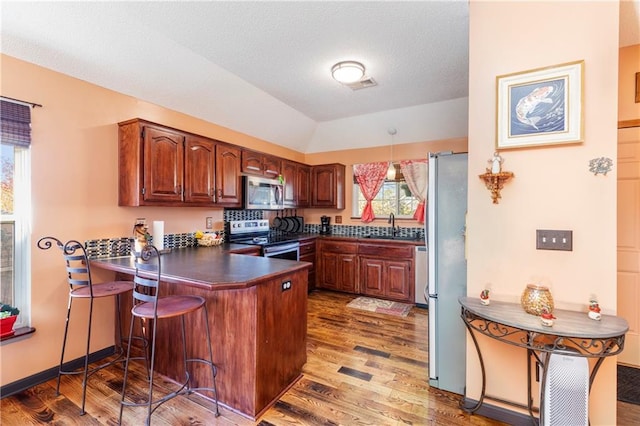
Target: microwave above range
(263,194)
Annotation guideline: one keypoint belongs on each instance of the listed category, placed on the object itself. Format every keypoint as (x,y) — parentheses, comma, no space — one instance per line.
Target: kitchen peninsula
(257,314)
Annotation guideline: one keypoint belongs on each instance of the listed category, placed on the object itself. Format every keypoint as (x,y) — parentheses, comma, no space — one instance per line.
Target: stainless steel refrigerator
(447,269)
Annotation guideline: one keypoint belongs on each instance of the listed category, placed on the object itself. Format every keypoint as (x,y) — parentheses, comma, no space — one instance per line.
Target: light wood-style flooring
(362,369)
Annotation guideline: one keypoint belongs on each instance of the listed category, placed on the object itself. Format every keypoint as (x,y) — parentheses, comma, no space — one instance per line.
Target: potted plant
(8,316)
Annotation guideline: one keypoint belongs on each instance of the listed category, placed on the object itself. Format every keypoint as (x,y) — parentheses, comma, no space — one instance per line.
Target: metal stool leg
(64,344)
(86,358)
(214,371)
(126,369)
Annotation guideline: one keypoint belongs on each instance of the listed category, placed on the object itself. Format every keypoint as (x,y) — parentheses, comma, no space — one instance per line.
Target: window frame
(21,219)
(355,201)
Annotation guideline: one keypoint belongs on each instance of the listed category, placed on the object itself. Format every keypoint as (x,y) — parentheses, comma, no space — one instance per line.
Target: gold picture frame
(542,106)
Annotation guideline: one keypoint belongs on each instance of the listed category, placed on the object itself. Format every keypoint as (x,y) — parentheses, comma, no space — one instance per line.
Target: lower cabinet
(388,279)
(384,270)
(308,254)
(338,266)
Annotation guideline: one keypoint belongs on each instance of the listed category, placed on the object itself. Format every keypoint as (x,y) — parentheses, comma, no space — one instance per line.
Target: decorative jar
(536,298)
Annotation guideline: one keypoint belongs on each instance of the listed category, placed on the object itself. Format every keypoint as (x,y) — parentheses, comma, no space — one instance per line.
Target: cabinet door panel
(400,280)
(163,164)
(348,273)
(271,167)
(289,175)
(228,179)
(303,189)
(329,271)
(199,162)
(372,276)
(252,162)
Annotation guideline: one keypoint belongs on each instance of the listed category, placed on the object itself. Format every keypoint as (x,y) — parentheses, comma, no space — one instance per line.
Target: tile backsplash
(119,246)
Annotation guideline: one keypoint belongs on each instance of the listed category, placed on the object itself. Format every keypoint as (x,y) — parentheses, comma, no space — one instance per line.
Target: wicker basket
(209,240)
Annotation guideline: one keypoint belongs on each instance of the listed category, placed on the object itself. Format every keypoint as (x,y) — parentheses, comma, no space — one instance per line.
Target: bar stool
(81,286)
(149,306)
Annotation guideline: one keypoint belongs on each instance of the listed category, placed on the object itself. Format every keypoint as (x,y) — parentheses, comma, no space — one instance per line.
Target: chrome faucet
(392,221)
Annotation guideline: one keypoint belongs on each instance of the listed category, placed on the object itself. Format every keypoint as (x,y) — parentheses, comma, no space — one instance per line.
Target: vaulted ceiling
(258,67)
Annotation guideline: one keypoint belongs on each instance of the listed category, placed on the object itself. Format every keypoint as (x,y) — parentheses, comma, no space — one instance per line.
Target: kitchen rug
(629,384)
(380,306)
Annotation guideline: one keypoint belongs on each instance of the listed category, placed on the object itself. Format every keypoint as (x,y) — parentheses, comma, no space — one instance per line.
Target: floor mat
(380,306)
(629,384)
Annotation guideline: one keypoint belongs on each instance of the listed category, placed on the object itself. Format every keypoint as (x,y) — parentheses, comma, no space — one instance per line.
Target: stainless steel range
(256,232)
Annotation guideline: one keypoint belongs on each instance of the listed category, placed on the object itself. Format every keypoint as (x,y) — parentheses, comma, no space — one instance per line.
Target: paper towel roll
(158,234)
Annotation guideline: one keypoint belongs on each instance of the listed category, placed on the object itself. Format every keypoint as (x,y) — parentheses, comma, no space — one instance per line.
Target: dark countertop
(212,268)
(359,238)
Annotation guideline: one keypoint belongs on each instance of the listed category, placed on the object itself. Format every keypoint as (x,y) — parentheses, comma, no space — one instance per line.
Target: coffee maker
(325,225)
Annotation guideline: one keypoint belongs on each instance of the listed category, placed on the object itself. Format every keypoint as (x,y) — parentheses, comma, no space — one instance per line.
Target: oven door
(290,251)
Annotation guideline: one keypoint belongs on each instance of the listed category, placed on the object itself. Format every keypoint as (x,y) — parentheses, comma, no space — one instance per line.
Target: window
(16,212)
(394,197)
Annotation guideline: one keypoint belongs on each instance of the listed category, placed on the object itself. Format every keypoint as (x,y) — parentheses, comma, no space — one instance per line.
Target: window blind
(15,120)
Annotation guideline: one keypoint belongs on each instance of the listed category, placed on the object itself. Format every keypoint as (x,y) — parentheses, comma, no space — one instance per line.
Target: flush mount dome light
(347,72)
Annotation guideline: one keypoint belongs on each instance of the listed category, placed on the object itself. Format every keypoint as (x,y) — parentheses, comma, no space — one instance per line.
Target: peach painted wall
(552,188)
(74,189)
(628,109)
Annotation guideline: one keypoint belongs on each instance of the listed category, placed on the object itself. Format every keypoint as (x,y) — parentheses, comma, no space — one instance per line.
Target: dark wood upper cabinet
(260,164)
(199,167)
(303,188)
(296,184)
(327,186)
(228,178)
(161,166)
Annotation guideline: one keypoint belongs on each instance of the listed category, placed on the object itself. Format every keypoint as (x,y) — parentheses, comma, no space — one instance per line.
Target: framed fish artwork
(543,106)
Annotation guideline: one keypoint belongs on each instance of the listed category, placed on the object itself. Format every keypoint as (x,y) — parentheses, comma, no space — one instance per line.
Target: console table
(573,333)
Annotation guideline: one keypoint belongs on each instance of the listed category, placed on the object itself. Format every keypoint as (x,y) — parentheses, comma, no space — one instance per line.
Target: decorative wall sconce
(600,165)
(494,178)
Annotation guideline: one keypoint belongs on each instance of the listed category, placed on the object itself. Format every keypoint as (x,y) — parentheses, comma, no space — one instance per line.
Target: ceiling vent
(362,84)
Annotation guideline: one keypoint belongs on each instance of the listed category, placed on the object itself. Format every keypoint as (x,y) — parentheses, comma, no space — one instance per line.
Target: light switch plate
(547,239)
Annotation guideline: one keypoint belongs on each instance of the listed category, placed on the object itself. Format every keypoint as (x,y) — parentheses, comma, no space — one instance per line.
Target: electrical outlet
(286,285)
(547,239)
(209,223)
(338,219)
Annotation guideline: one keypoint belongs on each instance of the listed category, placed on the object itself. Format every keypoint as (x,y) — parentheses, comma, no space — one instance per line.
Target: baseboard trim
(501,414)
(52,373)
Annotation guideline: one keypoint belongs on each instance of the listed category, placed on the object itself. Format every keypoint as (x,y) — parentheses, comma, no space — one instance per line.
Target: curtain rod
(18,101)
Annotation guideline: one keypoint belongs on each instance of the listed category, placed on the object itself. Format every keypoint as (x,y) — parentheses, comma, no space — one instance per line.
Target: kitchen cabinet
(260,164)
(199,170)
(338,266)
(161,166)
(297,187)
(308,254)
(381,269)
(386,271)
(228,178)
(328,186)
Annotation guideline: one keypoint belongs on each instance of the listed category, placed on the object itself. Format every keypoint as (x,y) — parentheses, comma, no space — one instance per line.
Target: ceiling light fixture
(391,172)
(347,72)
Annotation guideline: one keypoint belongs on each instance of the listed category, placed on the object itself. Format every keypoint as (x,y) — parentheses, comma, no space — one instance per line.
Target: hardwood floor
(362,369)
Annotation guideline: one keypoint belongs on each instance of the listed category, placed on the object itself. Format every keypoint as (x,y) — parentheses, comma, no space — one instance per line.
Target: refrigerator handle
(433,296)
